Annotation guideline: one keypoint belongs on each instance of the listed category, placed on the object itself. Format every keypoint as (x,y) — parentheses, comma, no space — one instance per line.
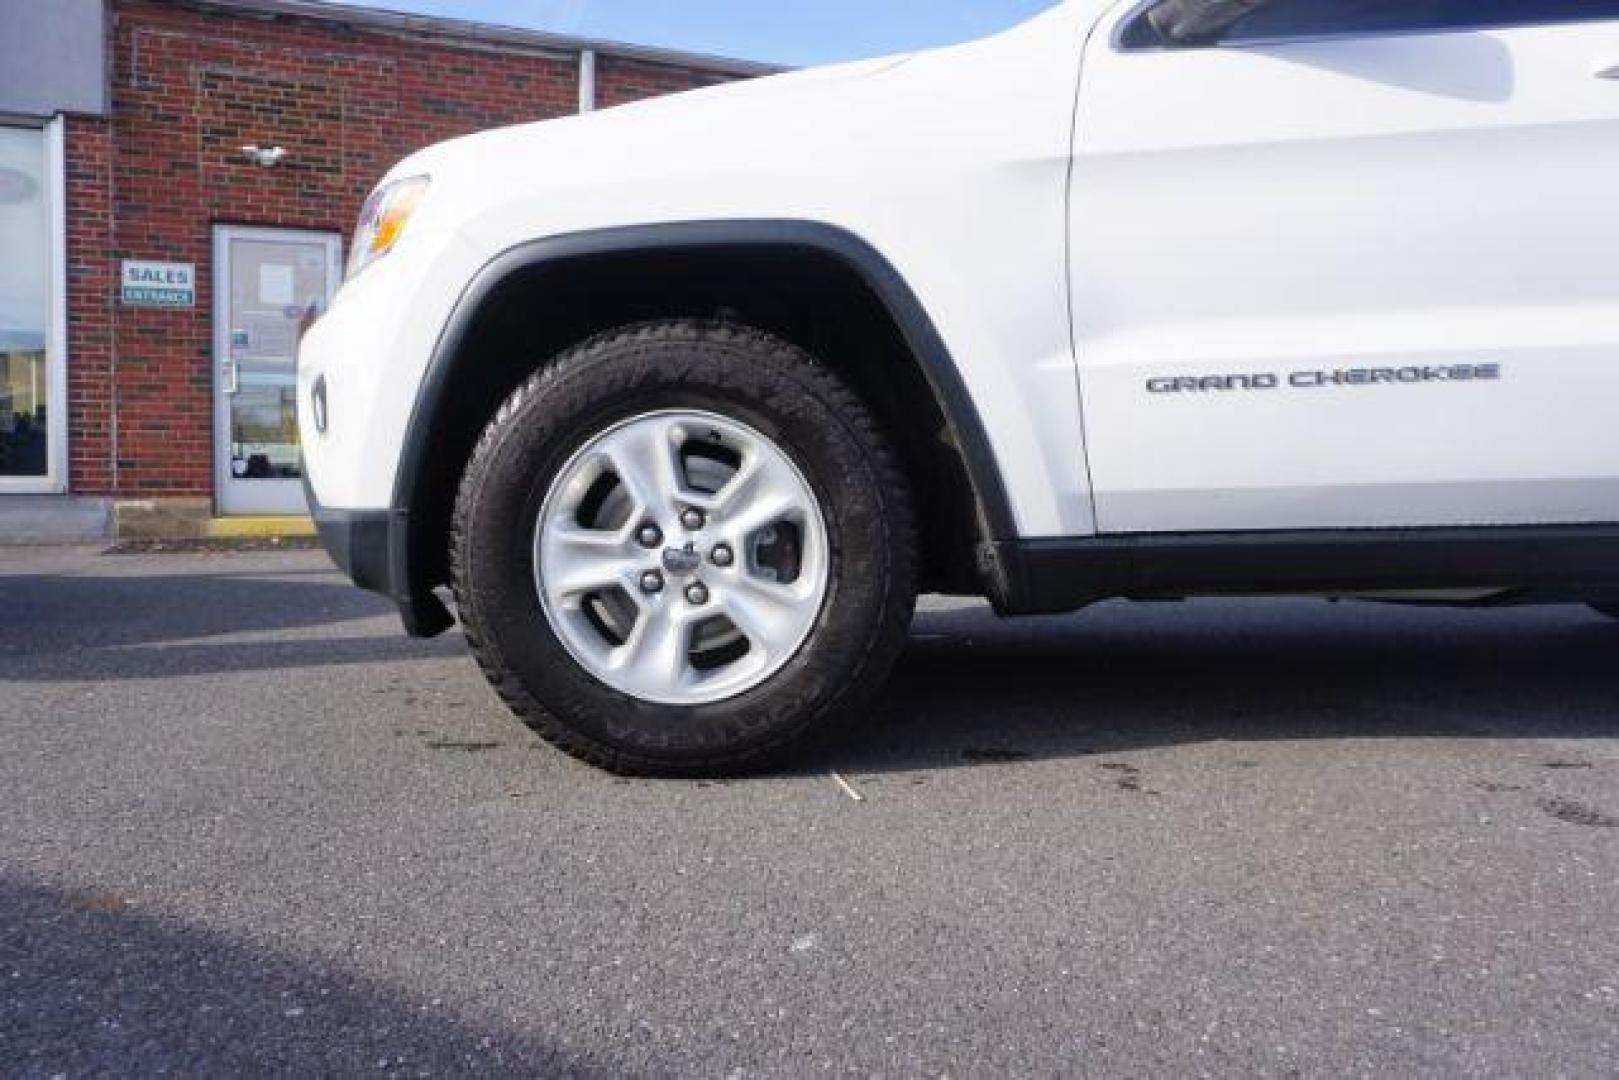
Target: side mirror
(1198,22)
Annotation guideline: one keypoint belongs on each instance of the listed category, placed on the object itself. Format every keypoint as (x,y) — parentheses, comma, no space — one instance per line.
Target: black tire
(751,377)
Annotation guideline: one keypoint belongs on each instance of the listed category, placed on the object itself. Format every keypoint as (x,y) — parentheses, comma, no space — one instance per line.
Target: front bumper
(368,379)
(370,546)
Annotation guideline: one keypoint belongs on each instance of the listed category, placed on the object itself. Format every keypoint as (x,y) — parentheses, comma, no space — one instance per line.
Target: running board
(1032,577)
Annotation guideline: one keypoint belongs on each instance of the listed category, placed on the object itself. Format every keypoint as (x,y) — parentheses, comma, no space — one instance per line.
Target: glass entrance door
(269,284)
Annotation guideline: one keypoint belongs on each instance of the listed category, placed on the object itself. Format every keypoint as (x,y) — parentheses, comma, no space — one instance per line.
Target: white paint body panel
(1417,200)
(1425,199)
(952,164)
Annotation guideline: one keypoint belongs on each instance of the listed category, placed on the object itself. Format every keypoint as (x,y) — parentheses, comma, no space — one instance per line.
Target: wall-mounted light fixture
(266,156)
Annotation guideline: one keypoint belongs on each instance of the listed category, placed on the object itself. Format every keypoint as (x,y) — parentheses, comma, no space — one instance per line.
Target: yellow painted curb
(260,528)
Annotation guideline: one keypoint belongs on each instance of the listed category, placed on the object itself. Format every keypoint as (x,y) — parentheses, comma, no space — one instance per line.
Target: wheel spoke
(586,576)
(765,478)
(766,511)
(770,616)
(764,492)
(577,561)
(657,656)
(582,540)
(647,463)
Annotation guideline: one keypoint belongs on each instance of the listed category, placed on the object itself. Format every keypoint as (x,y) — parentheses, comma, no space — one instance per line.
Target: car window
(1311,18)
(1285,20)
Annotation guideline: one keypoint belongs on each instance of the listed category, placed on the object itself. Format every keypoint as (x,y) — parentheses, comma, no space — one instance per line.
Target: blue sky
(780,31)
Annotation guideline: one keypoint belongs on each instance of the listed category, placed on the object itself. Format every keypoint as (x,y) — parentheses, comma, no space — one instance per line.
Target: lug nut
(697,593)
(652,582)
(722,555)
(649,536)
(693,519)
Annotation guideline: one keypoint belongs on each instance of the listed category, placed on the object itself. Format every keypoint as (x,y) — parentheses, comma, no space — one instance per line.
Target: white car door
(1356,265)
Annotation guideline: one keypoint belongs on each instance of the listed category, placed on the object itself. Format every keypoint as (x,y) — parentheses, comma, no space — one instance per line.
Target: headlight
(383,221)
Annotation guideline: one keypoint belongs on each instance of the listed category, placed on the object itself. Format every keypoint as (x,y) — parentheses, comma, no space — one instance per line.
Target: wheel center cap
(684,560)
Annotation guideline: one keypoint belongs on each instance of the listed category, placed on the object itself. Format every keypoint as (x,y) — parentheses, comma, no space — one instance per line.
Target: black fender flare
(424,613)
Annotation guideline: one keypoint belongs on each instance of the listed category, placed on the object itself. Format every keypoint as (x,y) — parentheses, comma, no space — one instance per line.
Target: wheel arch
(593,281)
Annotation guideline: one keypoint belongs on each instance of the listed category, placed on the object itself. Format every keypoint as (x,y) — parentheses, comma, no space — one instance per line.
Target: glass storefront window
(25,305)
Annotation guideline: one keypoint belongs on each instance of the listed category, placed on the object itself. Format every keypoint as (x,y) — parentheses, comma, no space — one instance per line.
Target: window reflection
(24,304)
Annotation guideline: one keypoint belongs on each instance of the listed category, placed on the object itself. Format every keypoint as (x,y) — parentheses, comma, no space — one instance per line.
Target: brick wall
(91,285)
(190,86)
(620,80)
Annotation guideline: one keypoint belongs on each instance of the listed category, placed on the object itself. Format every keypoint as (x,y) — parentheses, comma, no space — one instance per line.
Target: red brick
(190,87)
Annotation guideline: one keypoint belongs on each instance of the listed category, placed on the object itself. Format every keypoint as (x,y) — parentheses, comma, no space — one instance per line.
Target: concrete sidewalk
(63,520)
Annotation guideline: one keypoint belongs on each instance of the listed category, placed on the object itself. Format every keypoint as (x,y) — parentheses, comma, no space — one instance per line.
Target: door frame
(57,433)
(223,235)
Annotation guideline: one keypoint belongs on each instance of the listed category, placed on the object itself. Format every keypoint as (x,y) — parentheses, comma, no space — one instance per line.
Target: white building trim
(56,476)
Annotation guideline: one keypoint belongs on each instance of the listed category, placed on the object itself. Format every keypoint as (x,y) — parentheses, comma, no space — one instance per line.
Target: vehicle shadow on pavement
(110,628)
(974,690)
(95,987)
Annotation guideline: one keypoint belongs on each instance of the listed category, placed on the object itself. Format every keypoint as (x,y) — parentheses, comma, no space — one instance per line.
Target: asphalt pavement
(249,828)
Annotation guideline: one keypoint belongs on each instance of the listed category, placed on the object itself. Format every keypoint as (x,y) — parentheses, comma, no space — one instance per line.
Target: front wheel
(684,549)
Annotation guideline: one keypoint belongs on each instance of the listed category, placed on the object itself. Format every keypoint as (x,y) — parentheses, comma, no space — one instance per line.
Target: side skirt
(1033,577)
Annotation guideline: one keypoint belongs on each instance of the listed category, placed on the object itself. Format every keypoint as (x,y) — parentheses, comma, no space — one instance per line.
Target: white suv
(687,401)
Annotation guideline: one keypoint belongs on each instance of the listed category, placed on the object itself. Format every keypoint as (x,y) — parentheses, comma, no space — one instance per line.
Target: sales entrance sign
(159,284)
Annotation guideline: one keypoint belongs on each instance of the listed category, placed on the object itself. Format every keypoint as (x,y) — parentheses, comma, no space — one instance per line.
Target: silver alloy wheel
(755,553)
